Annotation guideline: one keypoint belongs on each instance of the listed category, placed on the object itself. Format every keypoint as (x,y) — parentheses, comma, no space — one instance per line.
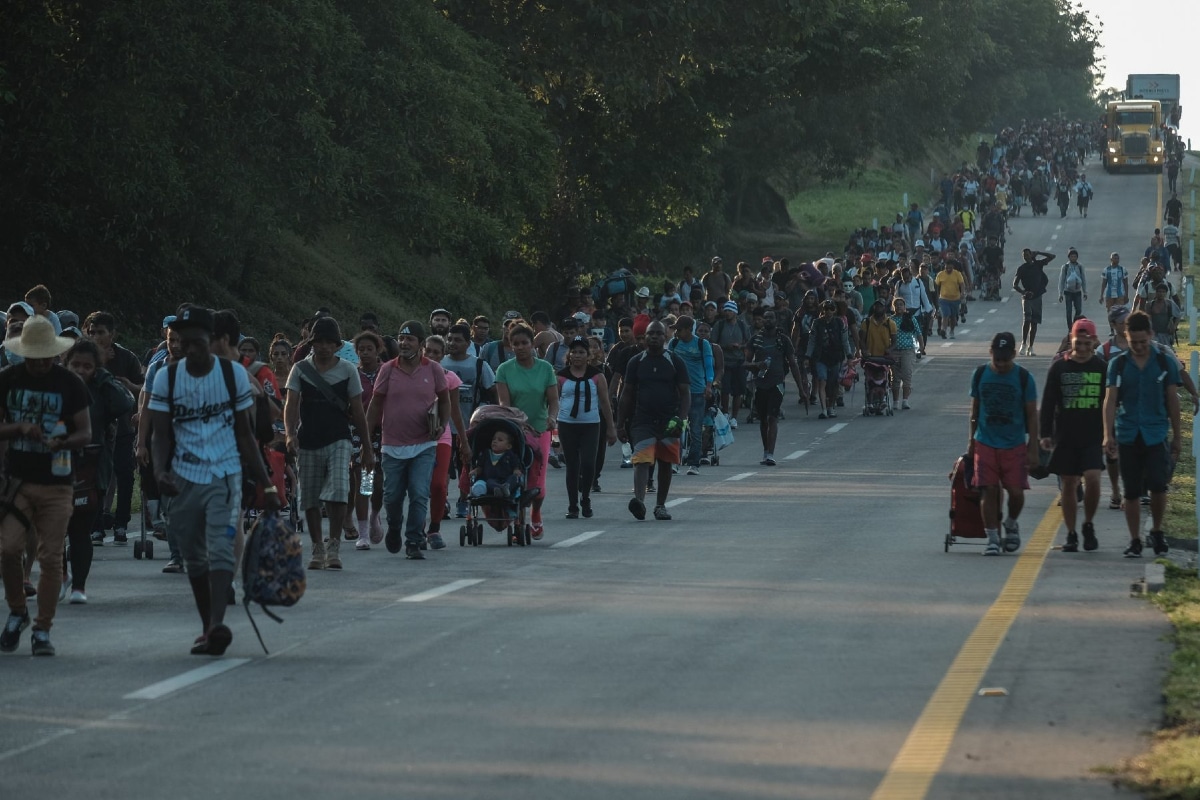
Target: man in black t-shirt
(101,328)
(44,417)
(1031,282)
(1072,425)
(654,403)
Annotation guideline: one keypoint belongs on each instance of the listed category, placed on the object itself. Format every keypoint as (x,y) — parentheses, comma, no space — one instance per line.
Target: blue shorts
(949,308)
(827,372)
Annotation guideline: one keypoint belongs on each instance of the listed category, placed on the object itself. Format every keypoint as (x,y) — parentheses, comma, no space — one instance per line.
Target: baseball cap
(710,304)
(1004,345)
(768,260)
(581,316)
(730,306)
(1072,251)
(193,317)
(412,328)
(21,304)
(68,319)
(512,315)
(1083,326)
(1118,313)
(326,329)
(441,311)
(919,243)
(716,259)
(685,323)
(167,320)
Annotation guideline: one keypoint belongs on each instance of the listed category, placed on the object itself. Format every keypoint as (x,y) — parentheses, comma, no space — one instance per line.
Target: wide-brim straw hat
(38,340)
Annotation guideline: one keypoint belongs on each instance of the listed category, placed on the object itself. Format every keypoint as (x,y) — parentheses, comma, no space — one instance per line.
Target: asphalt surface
(778,639)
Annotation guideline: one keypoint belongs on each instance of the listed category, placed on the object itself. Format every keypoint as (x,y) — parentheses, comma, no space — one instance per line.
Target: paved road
(779,639)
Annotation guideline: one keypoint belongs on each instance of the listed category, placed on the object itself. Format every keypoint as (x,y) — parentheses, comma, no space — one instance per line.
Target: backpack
(829,339)
(704,344)
(272,568)
(620,282)
(719,328)
(1074,280)
(260,416)
(1120,360)
(978,376)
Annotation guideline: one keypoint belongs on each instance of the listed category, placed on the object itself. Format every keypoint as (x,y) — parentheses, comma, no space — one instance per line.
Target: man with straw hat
(43,417)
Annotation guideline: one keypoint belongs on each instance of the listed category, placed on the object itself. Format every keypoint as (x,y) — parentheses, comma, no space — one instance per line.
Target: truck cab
(1134,136)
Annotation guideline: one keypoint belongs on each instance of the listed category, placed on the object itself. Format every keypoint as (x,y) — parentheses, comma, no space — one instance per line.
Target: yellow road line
(924,751)
(1158,212)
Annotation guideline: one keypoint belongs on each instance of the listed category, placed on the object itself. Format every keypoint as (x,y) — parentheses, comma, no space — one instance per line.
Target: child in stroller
(500,460)
(877,375)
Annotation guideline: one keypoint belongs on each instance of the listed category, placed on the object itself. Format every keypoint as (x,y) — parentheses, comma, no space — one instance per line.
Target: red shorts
(995,467)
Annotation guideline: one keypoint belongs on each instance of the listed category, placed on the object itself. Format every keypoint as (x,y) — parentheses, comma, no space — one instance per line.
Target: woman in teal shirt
(528,383)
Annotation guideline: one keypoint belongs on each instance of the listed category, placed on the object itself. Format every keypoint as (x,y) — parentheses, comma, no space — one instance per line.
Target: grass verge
(1171,768)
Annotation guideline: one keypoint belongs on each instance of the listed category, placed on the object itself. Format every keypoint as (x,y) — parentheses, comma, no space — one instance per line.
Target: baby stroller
(505,509)
(877,381)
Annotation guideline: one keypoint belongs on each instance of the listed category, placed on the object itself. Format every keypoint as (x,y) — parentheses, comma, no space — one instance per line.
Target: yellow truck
(1134,136)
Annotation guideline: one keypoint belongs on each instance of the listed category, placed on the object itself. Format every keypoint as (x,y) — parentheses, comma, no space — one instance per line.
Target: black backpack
(829,339)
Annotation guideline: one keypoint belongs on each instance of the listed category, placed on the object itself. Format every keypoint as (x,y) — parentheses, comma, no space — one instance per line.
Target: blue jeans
(411,476)
(695,421)
(1074,301)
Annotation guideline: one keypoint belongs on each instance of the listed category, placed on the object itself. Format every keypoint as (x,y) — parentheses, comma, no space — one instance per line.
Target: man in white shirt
(202,437)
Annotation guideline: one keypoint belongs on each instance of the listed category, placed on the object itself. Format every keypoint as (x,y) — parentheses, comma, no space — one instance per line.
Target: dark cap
(326,329)
(685,323)
(512,315)
(193,317)
(580,341)
(1004,345)
(412,328)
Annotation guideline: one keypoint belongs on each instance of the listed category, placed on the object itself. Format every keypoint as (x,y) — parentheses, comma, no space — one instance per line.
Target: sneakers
(40,640)
(1133,551)
(436,542)
(586,508)
(536,531)
(637,508)
(120,537)
(413,552)
(97,538)
(318,557)
(461,507)
(693,470)
(822,415)
(572,513)
(993,547)
(174,567)
(392,540)
(942,332)
(951,333)
(362,544)
(333,558)
(831,414)
(1072,543)
(1114,502)
(596,488)
(733,423)
(377,529)
(11,637)
(660,512)
(626,464)
(78,598)
(905,404)
(1089,537)
(768,460)
(1029,352)
(1158,540)
(1021,349)
(674,469)
(1012,536)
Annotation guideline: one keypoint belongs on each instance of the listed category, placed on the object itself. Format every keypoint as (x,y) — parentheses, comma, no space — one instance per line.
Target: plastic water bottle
(366,483)
(766,366)
(626,451)
(60,463)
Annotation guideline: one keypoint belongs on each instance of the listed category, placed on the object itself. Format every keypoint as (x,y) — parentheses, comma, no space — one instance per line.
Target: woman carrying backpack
(1072,286)
(828,347)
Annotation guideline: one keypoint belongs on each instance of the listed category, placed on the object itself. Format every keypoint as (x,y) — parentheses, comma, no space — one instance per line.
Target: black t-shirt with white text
(1073,402)
(44,401)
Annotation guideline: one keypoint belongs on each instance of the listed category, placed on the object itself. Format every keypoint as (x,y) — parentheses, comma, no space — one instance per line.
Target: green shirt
(527,388)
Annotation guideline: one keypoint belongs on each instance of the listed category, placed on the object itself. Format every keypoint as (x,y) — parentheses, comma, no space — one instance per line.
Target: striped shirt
(202,416)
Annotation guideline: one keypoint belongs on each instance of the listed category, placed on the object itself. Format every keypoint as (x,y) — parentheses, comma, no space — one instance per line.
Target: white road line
(926,360)
(1054,236)
(421,597)
(993,310)
(837,427)
(1058,227)
(574,540)
(163,688)
(964,330)
(795,455)
(741,476)
(1005,299)
(678,501)
(979,322)
(948,344)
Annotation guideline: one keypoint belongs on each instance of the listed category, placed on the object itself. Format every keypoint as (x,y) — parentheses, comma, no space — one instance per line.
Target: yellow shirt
(879,335)
(950,285)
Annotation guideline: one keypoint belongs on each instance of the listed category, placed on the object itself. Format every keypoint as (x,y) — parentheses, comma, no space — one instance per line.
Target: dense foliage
(181,140)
